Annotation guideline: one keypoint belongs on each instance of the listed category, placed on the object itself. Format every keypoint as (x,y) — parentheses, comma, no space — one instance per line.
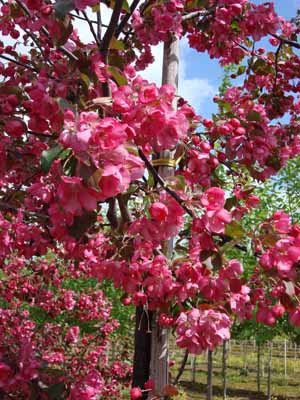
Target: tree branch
(5,206)
(91,28)
(160,180)
(126,18)
(182,367)
(68,53)
(195,14)
(111,29)
(287,41)
(112,213)
(99,24)
(40,134)
(83,19)
(126,217)
(18,63)
(276,65)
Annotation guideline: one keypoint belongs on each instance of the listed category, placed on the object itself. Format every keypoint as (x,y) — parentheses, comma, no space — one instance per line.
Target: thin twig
(99,24)
(83,19)
(160,180)
(110,31)
(5,206)
(287,41)
(126,18)
(40,134)
(46,33)
(21,64)
(91,28)
(276,64)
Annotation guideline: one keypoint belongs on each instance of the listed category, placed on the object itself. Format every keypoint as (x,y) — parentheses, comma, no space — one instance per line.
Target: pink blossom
(75,197)
(213,198)
(216,220)
(158,211)
(198,330)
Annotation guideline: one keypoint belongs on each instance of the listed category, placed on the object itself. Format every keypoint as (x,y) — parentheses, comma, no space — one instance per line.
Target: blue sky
(200,76)
(201,67)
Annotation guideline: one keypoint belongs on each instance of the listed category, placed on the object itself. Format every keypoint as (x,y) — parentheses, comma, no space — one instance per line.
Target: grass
(241,375)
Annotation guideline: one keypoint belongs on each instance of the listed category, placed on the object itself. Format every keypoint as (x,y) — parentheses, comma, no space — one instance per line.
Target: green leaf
(241,70)
(118,77)
(63,7)
(234,230)
(48,156)
(85,79)
(235,26)
(116,44)
(253,116)
(55,391)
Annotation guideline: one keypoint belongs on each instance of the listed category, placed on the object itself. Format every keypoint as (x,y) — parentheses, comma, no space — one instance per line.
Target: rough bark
(142,343)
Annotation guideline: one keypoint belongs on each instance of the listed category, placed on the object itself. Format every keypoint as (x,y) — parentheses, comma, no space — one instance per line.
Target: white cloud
(154,72)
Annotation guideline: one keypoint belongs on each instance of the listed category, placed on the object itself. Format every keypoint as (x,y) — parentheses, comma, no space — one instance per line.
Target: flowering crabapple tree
(106,176)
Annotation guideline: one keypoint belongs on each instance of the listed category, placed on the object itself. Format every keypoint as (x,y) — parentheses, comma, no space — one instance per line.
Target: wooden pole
(285,359)
(224,369)
(209,394)
(193,368)
(159,368)
(258,366)
(269,370)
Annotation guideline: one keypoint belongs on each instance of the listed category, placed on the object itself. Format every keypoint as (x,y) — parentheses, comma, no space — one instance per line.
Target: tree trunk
(209,394)
(269,370)
(142,350)
(224,369)
(159,366)
(182,367)
(258,366)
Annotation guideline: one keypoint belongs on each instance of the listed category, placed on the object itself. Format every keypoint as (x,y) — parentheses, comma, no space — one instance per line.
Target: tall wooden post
(258,366)
(159,365)
(224,369)
(209,393)
(270,371)
(285,358)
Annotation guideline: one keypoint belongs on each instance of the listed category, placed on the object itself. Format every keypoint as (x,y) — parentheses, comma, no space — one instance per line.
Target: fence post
(224,369)
(295,356)
(209,375)
(258,366)
(193,368)
(269,370)
(285,359)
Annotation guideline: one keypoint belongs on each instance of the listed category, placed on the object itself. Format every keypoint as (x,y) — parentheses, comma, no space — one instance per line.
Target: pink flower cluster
(230,25)
(148,111)
(199,330)
(156,25)
(216,217)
